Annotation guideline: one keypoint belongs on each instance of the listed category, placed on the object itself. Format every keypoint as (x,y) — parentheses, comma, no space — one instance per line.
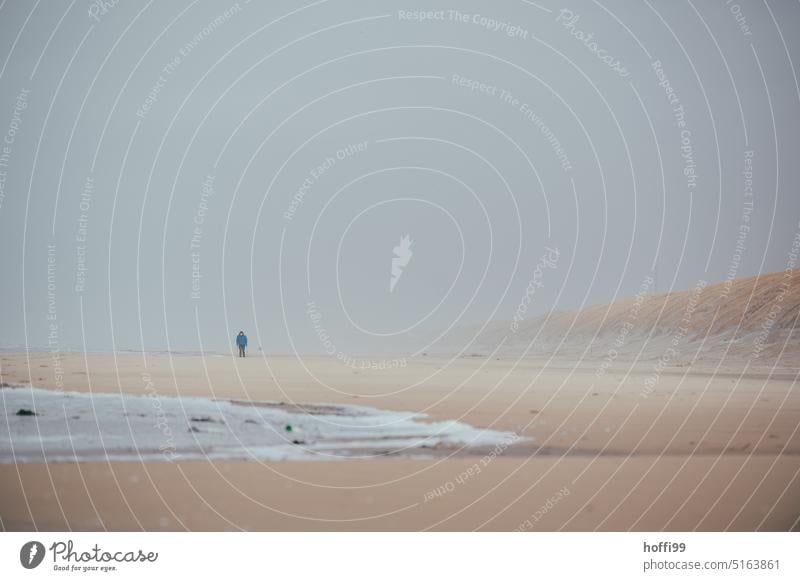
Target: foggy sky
(173,172)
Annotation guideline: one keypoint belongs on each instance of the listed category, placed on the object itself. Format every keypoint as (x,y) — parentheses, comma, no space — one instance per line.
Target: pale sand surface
(702,451)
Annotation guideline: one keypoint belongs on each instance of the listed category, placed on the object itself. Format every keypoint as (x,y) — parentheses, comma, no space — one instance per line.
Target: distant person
(241,342)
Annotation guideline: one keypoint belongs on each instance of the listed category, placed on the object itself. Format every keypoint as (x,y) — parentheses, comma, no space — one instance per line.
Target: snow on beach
(40,425)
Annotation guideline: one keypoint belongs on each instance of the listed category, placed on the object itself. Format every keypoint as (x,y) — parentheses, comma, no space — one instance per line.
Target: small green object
(288,427)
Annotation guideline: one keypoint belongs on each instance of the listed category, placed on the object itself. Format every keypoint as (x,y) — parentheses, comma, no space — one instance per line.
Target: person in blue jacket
(241,342)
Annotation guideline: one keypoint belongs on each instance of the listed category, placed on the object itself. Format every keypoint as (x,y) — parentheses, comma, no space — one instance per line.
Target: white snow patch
(71,426)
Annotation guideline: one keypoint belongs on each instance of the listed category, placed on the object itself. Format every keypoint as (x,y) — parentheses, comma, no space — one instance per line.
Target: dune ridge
(748,320)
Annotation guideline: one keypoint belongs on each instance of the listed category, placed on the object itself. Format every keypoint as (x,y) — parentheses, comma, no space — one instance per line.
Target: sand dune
(742,321)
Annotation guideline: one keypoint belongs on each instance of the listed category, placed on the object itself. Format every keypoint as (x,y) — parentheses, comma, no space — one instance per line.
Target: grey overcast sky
(172,172)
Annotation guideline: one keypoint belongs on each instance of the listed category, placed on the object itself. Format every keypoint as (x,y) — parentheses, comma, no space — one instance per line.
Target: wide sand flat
(701,451)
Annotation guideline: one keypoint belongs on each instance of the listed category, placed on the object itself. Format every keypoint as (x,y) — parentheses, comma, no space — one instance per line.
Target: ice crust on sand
(71,426)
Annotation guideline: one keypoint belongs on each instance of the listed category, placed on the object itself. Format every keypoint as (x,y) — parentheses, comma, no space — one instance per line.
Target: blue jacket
(241,340)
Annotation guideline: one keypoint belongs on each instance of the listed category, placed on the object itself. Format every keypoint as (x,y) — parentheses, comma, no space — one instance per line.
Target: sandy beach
(313,271)
(703,450)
